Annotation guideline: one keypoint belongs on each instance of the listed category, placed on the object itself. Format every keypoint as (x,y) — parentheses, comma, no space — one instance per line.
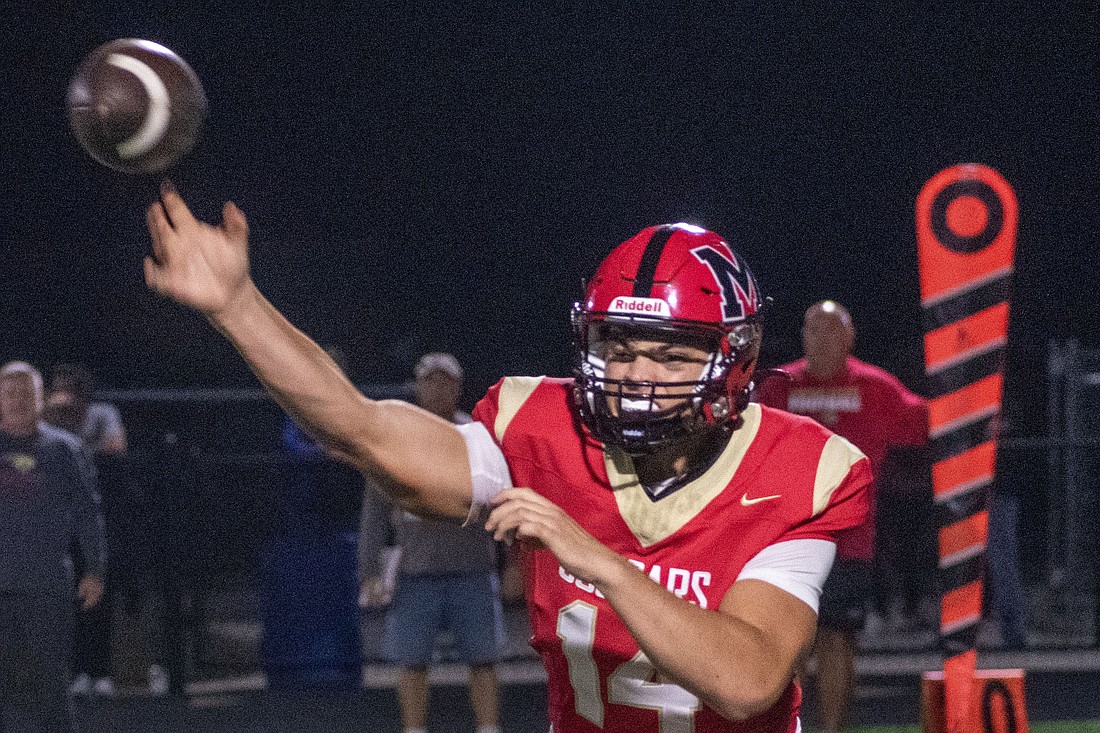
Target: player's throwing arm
(421,459)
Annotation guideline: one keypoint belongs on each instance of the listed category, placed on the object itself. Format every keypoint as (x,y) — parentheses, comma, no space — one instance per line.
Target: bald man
(874,411)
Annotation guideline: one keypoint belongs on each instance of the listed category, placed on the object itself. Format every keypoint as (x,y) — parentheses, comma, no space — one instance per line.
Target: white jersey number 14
(634,683)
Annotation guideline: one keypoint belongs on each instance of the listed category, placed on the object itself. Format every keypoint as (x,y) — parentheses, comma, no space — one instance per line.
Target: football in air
(135,106)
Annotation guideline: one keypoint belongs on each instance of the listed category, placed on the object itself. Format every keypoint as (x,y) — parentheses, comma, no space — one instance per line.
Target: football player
(676,537)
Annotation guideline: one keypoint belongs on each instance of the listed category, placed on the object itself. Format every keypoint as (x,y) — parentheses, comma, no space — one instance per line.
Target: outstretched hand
(199,265)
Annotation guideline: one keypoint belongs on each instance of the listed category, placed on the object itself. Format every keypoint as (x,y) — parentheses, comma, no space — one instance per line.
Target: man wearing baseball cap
(446,578)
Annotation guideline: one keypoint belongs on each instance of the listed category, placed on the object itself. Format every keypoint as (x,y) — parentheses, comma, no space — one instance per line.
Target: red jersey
(781,477)
(865,404)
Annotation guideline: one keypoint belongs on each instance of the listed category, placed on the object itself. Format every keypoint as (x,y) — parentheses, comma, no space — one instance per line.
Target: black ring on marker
(993,225)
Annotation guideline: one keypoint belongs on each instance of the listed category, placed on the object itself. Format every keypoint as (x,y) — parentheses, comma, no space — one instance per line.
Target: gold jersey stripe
(837,458)
(513,393)
(652,521)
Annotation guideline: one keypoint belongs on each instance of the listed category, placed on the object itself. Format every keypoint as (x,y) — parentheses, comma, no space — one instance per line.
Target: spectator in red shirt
(874,411)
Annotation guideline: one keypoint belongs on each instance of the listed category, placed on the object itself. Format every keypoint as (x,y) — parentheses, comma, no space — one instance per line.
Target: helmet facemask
(640,416)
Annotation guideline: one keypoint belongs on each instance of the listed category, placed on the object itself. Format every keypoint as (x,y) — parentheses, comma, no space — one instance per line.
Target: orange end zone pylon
(966,245)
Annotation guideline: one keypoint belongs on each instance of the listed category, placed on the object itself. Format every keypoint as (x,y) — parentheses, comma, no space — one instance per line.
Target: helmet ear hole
(742,335)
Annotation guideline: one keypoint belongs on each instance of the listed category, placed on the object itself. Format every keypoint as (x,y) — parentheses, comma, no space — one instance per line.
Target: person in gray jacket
(446,579)
(48,497)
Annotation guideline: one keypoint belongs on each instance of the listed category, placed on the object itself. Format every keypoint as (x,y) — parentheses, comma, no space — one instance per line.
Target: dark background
(442,175)
(438,175)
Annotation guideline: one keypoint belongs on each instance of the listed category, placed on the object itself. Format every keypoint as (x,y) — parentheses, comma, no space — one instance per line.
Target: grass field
(1068,726)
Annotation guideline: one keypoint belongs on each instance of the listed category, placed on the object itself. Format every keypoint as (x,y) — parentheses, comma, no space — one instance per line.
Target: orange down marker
(966,244)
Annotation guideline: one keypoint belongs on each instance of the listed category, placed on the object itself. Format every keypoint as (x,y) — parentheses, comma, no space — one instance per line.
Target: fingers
(520,524)
(152,274)
(234,221)
(511,500)
(159,229)
(517,493)
(522,519)
(512,506)
(175,206)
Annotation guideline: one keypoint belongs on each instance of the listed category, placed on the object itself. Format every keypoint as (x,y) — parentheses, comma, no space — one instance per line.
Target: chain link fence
(217,488)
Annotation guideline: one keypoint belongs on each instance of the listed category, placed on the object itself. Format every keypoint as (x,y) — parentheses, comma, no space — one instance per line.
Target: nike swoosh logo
(746,501)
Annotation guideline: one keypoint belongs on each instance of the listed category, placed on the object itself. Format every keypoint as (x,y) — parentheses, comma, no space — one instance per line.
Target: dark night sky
(442,175)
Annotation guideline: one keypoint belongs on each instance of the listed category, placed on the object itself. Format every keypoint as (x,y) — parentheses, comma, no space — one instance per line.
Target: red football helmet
(680,280)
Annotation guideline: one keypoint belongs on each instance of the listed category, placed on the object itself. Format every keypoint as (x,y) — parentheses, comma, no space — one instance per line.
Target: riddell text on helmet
(650,306)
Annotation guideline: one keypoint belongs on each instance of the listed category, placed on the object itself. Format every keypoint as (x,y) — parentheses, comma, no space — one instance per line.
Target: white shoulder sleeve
(488,469)
(799,567)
